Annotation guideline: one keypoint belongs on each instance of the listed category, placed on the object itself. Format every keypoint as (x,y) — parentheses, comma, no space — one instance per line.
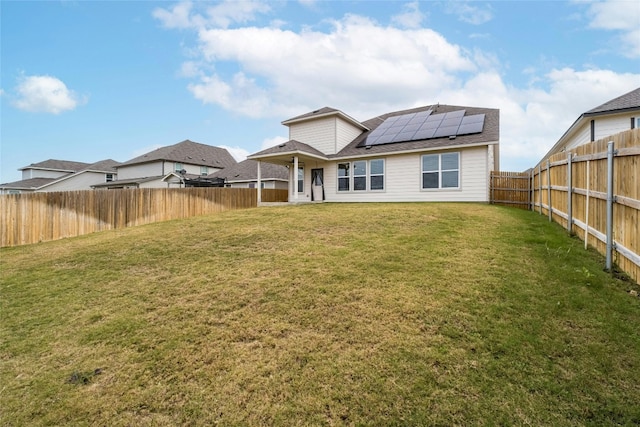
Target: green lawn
(330,314)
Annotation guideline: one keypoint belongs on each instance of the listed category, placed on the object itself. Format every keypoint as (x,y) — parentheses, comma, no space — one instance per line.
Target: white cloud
(45,94)
(220,15)
(474,15)
(622,17)
(366,69)
(238,153)
(411,17)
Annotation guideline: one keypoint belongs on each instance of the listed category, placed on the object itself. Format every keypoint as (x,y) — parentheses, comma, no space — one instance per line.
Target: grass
(332,314)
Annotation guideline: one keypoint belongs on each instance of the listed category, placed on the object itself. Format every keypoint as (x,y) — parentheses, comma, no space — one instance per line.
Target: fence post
(570,193)
(549,188)
(540,186)
(610,154)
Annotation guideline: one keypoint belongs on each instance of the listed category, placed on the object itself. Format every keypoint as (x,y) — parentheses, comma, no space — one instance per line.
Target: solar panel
(424,125)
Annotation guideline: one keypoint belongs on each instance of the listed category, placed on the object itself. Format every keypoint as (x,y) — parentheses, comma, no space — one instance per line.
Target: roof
(107,165)
(290,147)
(28,184)
(490,135)
(247,170)
(187,152)
(630,100)
(59,165)
(121,182)
(324,112)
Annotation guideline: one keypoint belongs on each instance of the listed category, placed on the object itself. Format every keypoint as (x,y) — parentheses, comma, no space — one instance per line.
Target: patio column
(259,183)
(295,178)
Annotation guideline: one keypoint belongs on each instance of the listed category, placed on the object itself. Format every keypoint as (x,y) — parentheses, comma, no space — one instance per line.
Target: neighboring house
(245,175)
(171,166)
(432,153)
(619,114)
(61,175)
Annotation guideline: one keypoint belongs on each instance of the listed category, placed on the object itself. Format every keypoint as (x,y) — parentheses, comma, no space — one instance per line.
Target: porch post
(259,183)
(295,178)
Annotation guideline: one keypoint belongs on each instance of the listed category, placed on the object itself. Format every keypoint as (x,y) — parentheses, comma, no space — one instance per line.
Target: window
(300,179)
(367,175)
(108,177)
(360,175)
(343,176)
(177,167)
(376,178)
(441,170)
(204,170)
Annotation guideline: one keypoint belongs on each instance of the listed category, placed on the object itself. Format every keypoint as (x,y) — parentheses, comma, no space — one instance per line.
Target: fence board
(510,189)
(39,217)
(589,193)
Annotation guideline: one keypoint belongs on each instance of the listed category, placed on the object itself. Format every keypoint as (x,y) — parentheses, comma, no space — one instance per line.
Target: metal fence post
(610,154)
(549,188)
(570,193)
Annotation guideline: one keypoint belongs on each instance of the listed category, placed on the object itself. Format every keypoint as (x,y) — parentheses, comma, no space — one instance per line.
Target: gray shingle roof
(60,165)
(490,133)
(187,152)
(107,165)
(291,146)
(28,184)
(623,102)
(320,112)
(247,170)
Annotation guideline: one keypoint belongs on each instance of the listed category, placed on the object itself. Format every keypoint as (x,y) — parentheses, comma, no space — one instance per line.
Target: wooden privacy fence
(574,188)
(274,195)
(511,189)
(39,217)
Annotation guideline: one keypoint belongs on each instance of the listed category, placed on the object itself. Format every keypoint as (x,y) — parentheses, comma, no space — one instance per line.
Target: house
(431,153)
(61,175)
(245,175)
(614,116)
(171,166)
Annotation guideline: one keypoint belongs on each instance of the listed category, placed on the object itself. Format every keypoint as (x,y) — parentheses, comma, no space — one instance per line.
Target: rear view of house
(432,153)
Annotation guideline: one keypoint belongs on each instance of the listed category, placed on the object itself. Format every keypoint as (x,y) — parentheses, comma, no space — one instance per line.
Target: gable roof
(187,152)
(57,165)
(28,184)
(107,165)
(627,102)
(324,112)
(247,170)
(291,147)
(490,135)
(630,100)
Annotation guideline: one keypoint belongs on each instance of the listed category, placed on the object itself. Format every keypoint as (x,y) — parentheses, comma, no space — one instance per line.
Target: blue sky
(90,80)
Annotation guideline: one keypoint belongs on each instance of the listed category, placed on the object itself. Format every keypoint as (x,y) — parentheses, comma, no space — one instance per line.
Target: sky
(94,80)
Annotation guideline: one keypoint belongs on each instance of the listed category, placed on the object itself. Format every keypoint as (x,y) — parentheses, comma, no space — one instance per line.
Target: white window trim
(368,176)
(440,188)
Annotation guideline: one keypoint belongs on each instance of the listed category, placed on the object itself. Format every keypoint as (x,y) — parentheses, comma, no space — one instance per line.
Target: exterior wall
(189,167)
(80,181)
(345,133)
(158,183)
(141,170)
(403,179)
(604,127)
(39,173)
(319,133)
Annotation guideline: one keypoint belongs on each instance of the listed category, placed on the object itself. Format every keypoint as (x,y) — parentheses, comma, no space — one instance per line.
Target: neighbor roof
(107,165)
(187,152)
(58,165)
(28,184)
(247,170)
(630,100)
